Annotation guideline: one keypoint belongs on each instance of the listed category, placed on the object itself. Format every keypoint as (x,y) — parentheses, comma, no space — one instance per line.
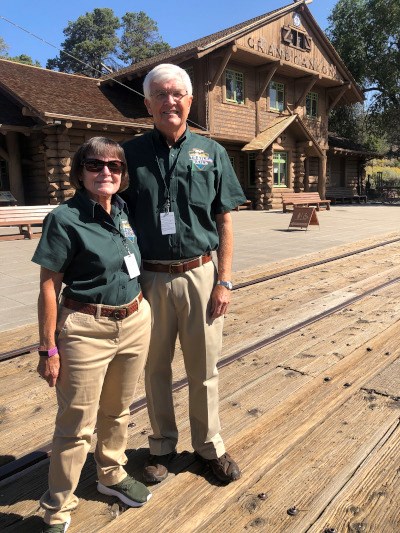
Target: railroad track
(18,466)
(34,347)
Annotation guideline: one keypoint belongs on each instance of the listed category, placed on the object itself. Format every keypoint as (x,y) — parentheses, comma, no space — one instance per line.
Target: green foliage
(366,34)
(3,47)
(23,58)
(90,39)
(92,44)
(140,39)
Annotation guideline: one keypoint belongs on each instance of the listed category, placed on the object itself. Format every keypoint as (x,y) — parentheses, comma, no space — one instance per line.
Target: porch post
(14,166)
(322,175)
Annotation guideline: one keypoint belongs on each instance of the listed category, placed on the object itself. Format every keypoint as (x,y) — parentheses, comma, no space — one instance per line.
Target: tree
(92,45)
(90,40)
(3,47)
(366,33)
(22,58)
(140,39)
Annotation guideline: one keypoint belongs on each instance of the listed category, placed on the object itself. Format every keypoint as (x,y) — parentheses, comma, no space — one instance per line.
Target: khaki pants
(180,304)
(101,361)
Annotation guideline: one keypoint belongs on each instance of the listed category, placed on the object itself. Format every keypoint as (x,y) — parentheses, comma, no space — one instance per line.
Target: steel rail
(34,347)
(18,466)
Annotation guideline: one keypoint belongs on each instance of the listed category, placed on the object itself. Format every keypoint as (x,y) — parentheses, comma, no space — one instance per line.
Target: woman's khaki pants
(101,361)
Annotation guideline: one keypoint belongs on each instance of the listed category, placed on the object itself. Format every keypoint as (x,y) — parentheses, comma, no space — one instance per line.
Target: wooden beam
(269,73)
(4,154)
(225,60)
(338,97)
(311,82)
(27,112)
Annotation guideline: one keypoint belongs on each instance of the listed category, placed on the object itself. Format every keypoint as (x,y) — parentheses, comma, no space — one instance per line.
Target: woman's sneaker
(129,491)
(56,528)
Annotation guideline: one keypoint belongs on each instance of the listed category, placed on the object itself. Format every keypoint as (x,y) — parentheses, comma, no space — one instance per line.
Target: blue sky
(179,21)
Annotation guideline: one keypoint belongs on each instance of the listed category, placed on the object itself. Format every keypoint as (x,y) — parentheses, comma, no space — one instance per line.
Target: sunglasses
(97,165)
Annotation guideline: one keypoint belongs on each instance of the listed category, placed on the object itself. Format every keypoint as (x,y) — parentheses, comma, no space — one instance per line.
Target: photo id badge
(167,223)
(132,266)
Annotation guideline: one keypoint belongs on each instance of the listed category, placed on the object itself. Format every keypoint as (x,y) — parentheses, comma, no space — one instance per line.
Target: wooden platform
(312,419)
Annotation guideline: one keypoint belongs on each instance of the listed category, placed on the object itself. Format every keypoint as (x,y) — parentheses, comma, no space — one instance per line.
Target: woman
(94,344)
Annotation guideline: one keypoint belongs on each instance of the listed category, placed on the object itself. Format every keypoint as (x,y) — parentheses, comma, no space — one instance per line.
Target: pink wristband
(49,353)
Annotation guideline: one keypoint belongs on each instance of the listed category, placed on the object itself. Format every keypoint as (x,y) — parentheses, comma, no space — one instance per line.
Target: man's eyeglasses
(97,165)
(161,96)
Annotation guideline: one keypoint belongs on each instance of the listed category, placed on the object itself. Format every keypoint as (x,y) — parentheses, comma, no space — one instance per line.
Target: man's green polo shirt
(88,245)
(198,177)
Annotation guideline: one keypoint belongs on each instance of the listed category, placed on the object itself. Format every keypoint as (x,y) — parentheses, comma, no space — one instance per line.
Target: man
(182,190)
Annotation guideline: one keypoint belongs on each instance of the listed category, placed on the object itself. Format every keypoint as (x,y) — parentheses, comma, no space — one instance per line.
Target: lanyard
(164,177)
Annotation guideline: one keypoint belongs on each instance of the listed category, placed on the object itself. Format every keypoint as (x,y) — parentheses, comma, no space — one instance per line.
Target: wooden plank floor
(313,419)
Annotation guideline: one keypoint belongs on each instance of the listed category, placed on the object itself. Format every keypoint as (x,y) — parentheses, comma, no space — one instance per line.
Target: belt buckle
(179,263)
(120,314)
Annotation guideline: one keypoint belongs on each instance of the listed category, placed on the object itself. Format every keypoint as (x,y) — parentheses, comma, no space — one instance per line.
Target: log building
(263,89)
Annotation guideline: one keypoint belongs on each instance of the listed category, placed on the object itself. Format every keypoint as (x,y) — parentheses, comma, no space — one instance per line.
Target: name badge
(132,266)
(167,223)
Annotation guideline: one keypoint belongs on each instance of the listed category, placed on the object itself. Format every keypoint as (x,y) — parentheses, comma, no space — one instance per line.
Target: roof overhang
(293,122)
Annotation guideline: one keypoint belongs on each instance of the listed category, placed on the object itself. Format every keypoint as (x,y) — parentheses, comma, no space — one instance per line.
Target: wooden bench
(344,194)
(24,217)
(306,199)
(248,204)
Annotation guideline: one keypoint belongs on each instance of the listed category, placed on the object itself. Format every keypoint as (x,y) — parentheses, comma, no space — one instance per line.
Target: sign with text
(303,217)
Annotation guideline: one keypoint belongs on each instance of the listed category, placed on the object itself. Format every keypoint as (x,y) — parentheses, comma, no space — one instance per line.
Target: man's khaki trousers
(180,305)
(101,361)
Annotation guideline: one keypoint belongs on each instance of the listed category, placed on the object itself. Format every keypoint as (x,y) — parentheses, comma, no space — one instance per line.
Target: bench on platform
(248,204)
(24,217)
(344,194)
(305,199)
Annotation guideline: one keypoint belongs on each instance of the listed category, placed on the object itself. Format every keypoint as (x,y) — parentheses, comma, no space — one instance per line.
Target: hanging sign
(303,217)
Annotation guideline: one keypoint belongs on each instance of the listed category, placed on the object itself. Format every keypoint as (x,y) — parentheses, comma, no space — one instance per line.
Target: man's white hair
(166,72)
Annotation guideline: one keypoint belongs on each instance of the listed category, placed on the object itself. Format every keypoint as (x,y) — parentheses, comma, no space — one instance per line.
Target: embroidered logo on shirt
(127,230)
(199,158)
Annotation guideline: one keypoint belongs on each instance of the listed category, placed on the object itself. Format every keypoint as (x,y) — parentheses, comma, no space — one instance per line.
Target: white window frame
(236,77)
(278,88)
(312,105)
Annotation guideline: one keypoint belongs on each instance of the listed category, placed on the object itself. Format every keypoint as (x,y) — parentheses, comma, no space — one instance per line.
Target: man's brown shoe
(224,468)
(156,467)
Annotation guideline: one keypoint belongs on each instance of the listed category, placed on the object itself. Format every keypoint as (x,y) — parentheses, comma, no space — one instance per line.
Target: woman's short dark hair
(97,147)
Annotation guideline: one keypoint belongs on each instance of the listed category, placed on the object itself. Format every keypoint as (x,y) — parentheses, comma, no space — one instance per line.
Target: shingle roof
(277,127)
(196,45)
(348,145)
(49,92)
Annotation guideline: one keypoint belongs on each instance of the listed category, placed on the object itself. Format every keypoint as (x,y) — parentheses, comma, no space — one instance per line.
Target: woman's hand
(50,286)
(49,369)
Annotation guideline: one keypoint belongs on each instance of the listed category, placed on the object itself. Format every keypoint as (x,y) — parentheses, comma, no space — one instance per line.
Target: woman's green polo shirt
(88,246)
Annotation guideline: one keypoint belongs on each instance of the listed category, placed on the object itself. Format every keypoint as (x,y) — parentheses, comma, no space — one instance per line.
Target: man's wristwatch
(227,284)
(48,353)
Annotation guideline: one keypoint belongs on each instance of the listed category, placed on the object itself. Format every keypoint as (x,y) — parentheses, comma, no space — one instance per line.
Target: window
(276,96)
(252,169)
(312,105)
(234,83)
(280,169)
(4,181)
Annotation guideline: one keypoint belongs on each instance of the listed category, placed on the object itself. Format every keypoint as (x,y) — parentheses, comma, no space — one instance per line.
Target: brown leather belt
(179,267)
(118,313)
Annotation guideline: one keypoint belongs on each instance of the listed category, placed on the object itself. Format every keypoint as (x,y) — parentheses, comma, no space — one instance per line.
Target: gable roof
(45,94)
(277,127)
(199,46)
(205,45)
